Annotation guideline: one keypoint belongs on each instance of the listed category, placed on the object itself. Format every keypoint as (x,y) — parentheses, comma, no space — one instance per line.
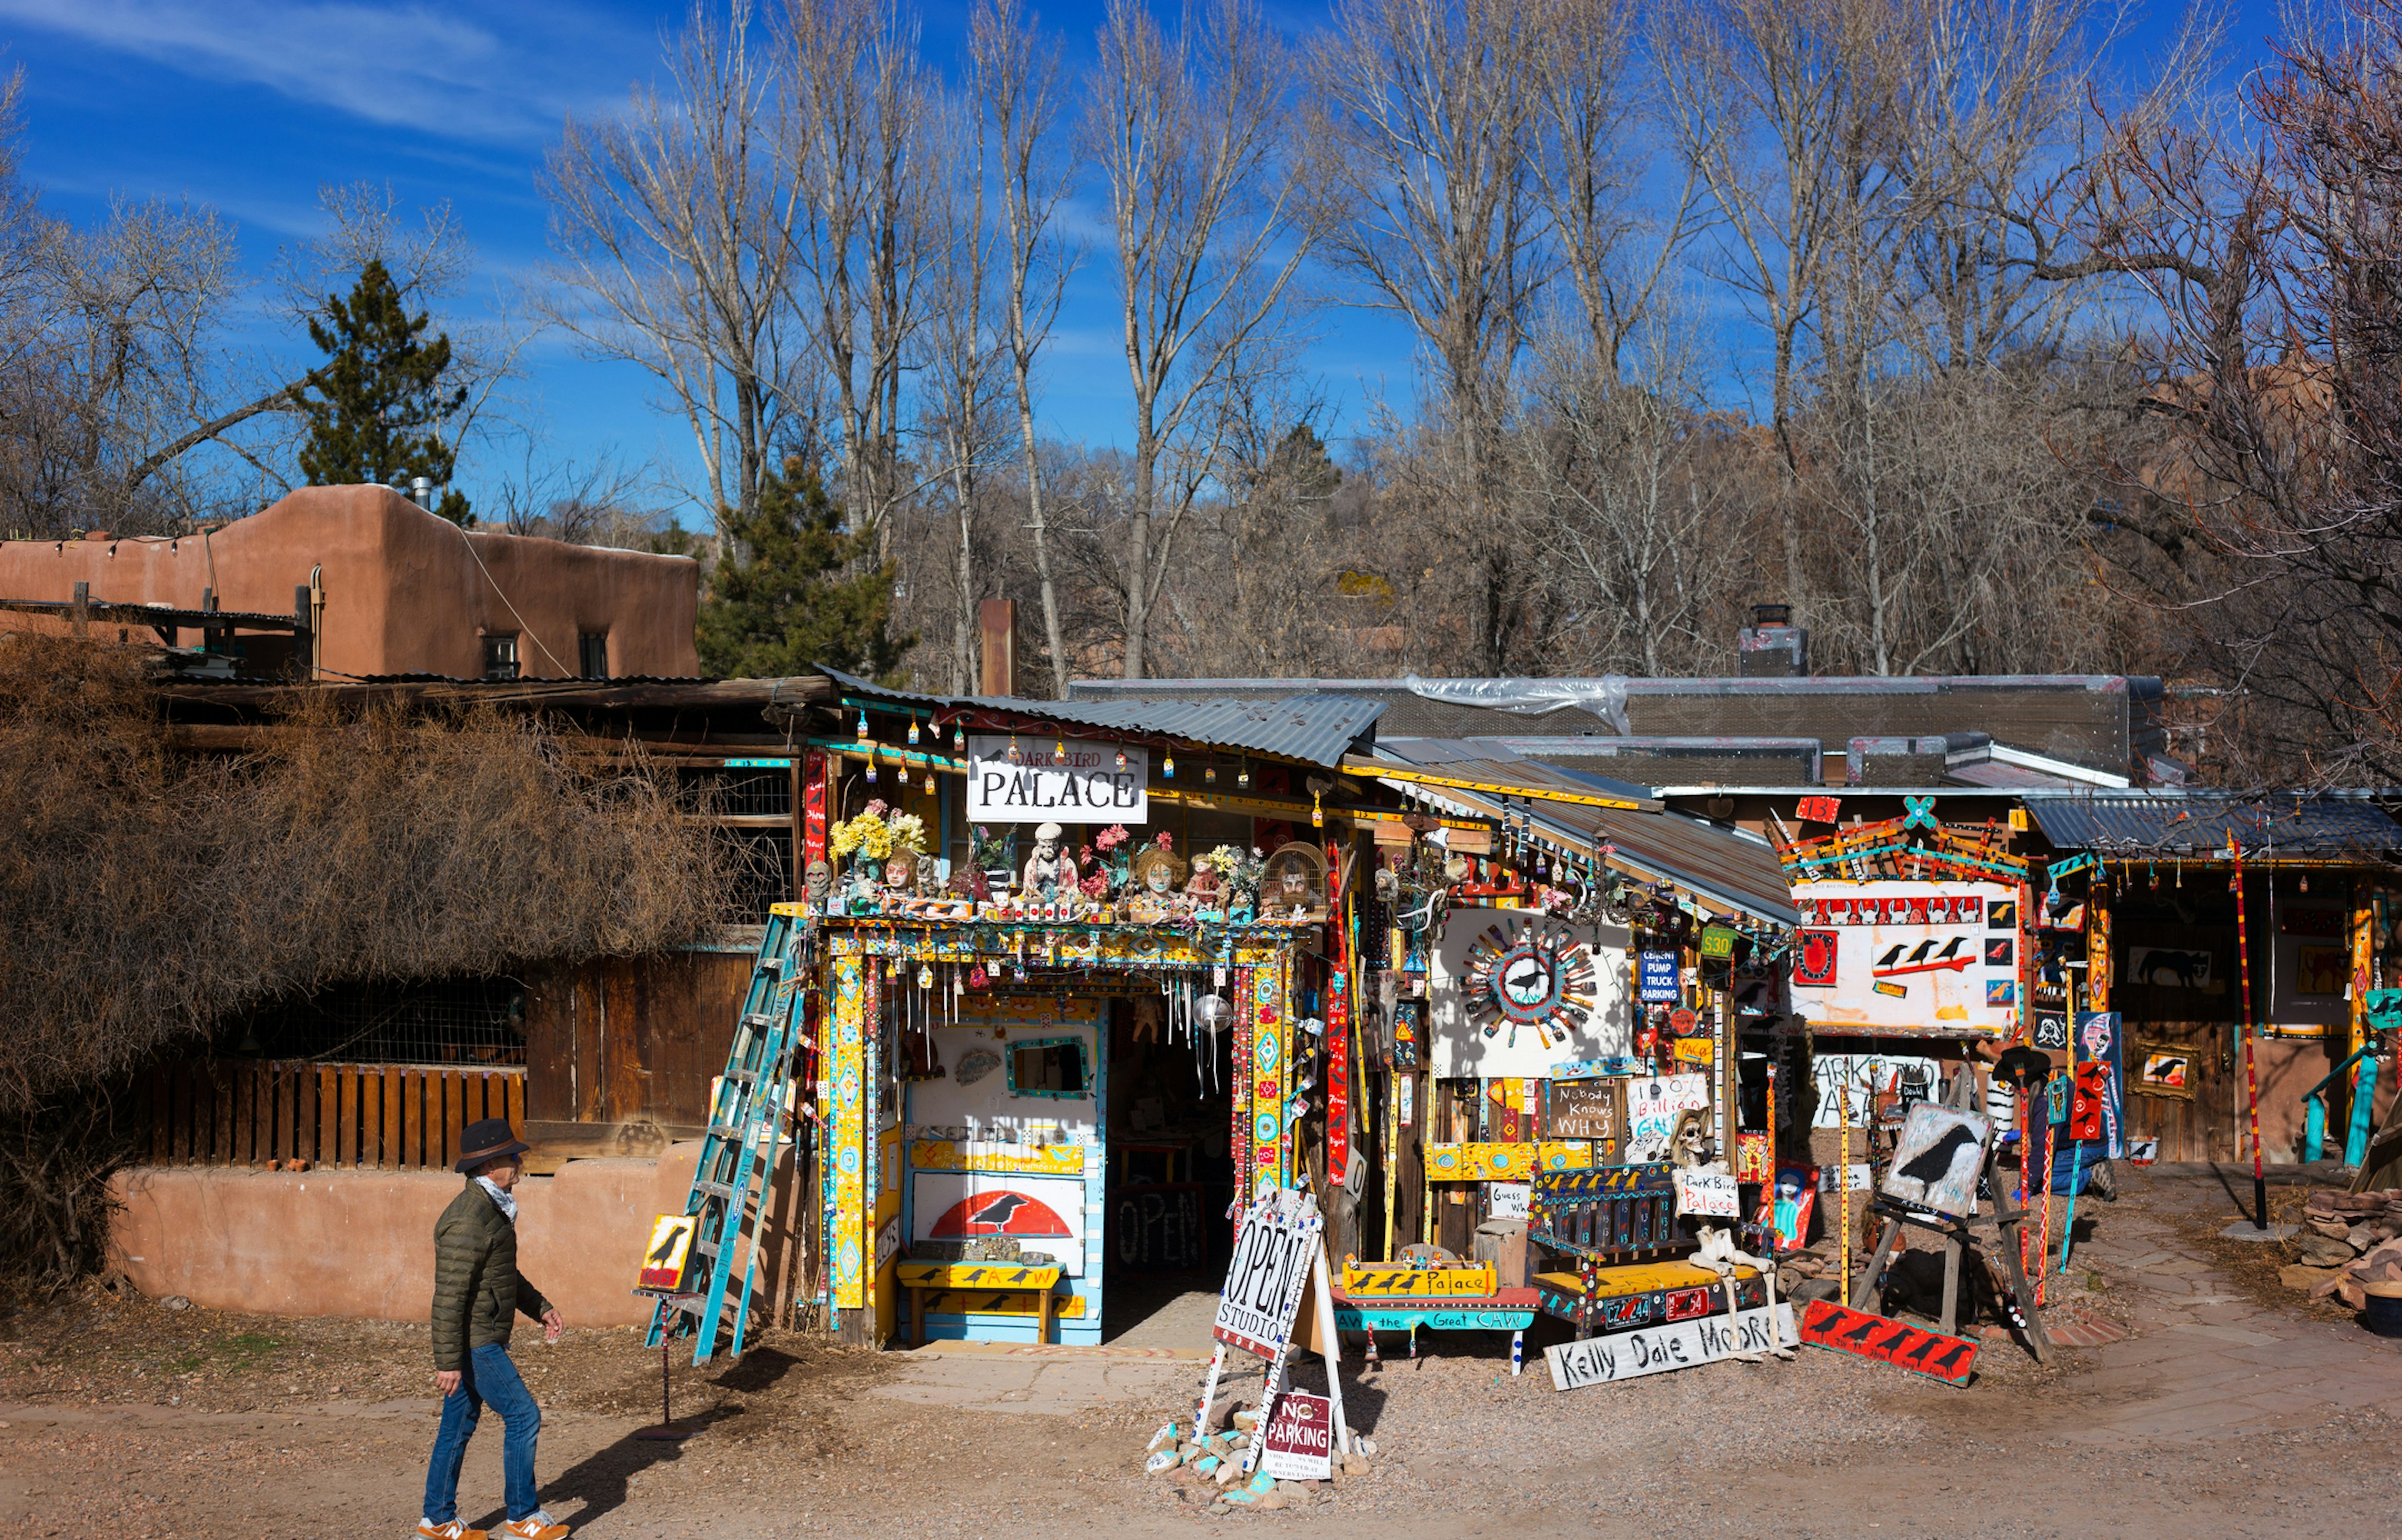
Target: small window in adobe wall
(499,657)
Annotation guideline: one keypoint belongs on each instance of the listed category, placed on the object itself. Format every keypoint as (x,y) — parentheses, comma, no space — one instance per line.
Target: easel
(2000,1260)
(1311,1279)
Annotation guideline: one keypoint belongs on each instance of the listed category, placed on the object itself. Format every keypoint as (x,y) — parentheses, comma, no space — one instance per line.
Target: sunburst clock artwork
(1543,979)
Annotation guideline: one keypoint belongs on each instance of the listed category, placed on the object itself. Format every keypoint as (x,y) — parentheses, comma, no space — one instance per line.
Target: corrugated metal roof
(2101,720)
(1732,868)
(2195,825)
(1313,726)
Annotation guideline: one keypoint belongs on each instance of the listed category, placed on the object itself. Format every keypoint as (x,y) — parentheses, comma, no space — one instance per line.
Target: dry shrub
(147,896)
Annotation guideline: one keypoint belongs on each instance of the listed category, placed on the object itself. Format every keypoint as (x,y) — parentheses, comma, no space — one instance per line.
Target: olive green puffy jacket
(476,1289)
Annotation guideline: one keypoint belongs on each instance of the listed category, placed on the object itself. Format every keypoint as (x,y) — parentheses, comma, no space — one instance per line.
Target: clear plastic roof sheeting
(1605,696)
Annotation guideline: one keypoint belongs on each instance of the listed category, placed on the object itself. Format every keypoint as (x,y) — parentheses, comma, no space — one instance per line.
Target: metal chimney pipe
(420,492)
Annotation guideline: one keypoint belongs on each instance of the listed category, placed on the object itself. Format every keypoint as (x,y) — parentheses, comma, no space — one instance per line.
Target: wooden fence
(383,1117)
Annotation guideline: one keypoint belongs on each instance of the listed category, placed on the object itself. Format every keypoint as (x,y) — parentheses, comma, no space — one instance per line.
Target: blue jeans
(486,1376)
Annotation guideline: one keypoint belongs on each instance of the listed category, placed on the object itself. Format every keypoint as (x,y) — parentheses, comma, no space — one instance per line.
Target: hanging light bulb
(1243,776)
(862,724)
(913,730)
(1168,766)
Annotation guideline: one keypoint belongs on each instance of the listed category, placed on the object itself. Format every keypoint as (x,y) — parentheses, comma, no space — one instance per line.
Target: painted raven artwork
(1936,1160)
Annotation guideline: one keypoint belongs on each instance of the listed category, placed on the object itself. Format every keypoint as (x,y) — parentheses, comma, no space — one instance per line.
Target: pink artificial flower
(1097,886)
(1111,837)
(878,807)
(1166,841)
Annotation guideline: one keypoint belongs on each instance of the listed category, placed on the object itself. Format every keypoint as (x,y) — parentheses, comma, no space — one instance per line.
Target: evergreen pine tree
(374,402)
(784,605)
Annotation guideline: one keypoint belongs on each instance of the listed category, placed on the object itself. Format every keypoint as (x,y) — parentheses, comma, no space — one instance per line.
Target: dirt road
(2227,1409)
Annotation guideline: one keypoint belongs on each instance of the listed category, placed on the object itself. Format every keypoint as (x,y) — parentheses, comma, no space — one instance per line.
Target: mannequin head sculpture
(818,881)
(901,872)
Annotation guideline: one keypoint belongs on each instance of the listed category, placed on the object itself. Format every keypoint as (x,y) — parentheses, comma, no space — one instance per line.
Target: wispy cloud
(502,74)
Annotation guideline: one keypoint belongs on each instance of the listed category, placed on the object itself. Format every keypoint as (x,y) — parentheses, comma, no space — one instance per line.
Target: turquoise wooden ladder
(729,1186)
(2364,1097)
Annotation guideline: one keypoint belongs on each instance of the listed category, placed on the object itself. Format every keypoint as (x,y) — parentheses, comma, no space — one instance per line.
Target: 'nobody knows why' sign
(1074,781)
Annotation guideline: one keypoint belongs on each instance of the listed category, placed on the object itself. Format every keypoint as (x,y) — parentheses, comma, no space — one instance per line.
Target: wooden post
(81,611)
(997,646)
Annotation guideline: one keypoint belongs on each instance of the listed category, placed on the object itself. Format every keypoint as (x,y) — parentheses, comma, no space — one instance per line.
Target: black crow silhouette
(1891,956)
(997,1213)
(1950,949)
(1924,947)
(1932,1164)
(667,1247)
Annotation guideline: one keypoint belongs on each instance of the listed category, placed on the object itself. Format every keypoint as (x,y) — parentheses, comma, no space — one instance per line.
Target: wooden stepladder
(2000,1258)
(729,1187)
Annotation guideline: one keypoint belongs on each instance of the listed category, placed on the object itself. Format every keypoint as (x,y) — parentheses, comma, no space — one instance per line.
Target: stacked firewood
(2350,1243)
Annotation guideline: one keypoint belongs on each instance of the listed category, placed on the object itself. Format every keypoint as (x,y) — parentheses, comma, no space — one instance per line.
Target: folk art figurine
(1151,895)
(1293,885)
(1051,874)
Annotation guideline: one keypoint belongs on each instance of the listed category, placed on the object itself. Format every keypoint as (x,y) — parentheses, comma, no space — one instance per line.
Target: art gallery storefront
(2210,923)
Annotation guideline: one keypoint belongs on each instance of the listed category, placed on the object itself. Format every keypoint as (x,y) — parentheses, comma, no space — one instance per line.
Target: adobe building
(360,582)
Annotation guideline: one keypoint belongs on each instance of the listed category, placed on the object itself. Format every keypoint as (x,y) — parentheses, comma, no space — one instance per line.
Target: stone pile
(1205,1468)
(2349,1245)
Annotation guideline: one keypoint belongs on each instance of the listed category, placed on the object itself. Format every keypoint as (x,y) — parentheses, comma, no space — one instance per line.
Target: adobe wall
(406,592)
(360,1243)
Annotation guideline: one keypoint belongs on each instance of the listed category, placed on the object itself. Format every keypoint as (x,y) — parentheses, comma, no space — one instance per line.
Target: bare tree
(959,355)
(1424,154)
(1631,510)
(676,229)
(1209,233)
(857,139)
(1589,167)
(1015,77)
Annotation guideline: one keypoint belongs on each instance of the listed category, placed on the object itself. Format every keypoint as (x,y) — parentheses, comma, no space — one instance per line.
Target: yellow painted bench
(994,1278)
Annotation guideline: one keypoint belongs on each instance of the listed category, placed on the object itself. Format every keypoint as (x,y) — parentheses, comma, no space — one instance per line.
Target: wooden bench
(923,1278)
(1617,1228)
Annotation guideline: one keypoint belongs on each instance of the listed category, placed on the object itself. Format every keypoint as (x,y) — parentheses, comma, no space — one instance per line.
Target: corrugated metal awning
(2198,825)
(1311,726)
(1731,869)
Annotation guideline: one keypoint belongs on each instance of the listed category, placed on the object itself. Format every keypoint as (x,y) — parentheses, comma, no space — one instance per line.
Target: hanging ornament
(959,738)
(1167,767)
(904,772)
(1243,776)
(925,977)
(1121,759)
(871,765)
(862,724)
(913,730)
(1060,752)
(977,978)
(1317,811)
(1012,749)
(1209,772)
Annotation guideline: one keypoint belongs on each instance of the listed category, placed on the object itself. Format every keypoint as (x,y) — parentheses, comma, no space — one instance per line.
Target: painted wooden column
(846,1160)
(2098,942)
(2363,934)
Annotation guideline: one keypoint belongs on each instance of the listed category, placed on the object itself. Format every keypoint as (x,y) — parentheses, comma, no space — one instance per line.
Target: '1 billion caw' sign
(1087,783)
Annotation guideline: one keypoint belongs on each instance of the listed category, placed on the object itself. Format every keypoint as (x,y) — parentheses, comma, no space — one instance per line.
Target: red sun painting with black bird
(1000,1213)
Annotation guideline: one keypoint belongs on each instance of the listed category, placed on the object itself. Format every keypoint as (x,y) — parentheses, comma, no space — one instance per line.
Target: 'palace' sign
(1053,781)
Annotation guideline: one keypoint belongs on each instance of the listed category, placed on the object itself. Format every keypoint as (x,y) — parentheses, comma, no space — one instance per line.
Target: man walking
(476,1294)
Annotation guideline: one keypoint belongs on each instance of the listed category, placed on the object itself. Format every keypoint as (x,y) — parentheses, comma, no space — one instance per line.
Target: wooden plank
(388,1118)
(180,1141)
(412,1121)
(455,1116)
(346,1116)
(550,1045)
(243,1120)
(220,1086)
(324,1129)
(591,1017)
(624,1094)
(513,1088)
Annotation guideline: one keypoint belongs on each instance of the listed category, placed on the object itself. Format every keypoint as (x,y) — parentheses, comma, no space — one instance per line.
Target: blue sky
(249,105)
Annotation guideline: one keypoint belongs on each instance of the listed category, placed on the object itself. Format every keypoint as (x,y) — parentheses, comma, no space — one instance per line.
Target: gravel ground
(128,1419)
